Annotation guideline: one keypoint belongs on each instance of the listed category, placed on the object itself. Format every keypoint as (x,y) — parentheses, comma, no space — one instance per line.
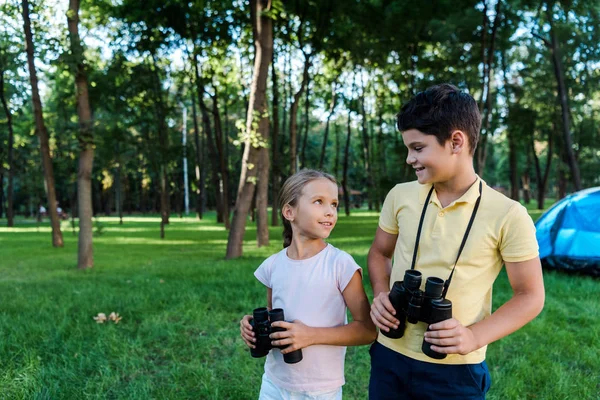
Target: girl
(314,283)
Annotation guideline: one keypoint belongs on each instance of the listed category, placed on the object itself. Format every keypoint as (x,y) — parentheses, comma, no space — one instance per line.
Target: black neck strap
(464,240)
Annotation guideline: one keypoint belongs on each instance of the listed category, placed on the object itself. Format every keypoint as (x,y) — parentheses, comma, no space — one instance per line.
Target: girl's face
(315,213)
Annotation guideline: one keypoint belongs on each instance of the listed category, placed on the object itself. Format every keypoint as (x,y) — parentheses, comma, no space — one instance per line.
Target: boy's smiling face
(432,161)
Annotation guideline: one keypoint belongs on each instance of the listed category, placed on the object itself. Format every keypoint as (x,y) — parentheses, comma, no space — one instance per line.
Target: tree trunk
(262,198)
(42,133)
(275,173)
(332,105)
(380,141)
(258,137)
(336,161)
(222,160)
(366,150)
(119,191)
(1,191)
(11,168)
(526,184)
(294,115)
(163,144)
(212,148)
(306,125)
(564,101)
(488,64)
(200,191)
(345,169)
(85,258)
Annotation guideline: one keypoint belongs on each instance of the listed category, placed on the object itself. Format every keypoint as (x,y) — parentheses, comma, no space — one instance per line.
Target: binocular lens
(412,279)
(434,287)
(276,314)
(260,314)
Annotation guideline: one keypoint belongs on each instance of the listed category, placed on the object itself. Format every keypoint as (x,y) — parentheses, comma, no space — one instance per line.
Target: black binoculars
(414,305)
(261,325)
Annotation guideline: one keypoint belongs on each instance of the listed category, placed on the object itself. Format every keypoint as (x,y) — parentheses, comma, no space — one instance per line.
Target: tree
(257,123)
(41,131)
(85,258)
(555,52)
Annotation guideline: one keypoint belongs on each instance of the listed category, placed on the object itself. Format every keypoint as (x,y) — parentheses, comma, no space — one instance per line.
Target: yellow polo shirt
(502,231)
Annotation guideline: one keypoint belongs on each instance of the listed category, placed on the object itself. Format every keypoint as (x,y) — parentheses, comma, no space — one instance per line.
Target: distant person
(423,227)
(61,214)
(314,283)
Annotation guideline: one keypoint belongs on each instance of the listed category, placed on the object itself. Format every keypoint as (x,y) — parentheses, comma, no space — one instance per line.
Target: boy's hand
(246,331)
(382,312)
(296,335)
(451,337)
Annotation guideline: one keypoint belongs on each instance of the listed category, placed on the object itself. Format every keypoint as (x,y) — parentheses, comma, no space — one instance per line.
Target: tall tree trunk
(564,100)
(345,168)
(336,161)
(306,125)
(212,148)
(294,115)
(85,253)
(199,162)
(542,180)
(526,184)
(257,113)
(366,150)
(11,167)
(262,198)
(380,141)
(1,191)
(163,143)
(332,105)
(488,65)
(222,160)
(275,173)
(375,149)
(561,182)
(119,191)
(42,133)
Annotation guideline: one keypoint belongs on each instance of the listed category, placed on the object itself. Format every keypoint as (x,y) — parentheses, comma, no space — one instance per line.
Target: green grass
(181,303)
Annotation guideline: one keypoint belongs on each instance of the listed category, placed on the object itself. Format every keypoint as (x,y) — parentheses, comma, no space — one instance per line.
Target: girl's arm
(360,331)
(245,327)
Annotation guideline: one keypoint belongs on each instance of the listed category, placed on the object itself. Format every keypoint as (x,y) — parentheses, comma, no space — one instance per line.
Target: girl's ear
(458,140)
(288,212)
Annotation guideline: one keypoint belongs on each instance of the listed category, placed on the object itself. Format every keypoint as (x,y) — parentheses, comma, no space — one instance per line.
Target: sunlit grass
(181,302)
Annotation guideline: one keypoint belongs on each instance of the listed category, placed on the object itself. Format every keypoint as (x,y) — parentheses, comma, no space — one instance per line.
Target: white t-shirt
(310,291)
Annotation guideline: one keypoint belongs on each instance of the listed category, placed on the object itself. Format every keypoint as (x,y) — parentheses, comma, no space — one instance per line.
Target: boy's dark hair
(440,110)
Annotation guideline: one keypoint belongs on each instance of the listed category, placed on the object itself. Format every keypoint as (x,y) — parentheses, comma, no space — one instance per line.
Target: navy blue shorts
(395,376)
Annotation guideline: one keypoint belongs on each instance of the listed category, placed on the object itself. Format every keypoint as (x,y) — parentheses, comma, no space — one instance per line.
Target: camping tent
(569,233)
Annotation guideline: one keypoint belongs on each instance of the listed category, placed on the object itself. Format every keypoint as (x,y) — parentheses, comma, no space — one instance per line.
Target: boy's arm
(360,331)
(379,263)
(450,337)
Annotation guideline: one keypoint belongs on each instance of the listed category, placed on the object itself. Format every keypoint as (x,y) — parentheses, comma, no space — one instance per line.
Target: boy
(440,128)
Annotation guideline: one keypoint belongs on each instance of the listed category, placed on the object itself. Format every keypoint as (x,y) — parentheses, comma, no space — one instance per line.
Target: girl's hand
(296,336)
(451,337)
(246,331)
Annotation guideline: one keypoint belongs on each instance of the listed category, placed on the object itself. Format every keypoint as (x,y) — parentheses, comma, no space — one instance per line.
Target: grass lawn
(181,303)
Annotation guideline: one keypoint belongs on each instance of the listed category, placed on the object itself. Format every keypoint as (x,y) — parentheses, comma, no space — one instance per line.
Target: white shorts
(270,391)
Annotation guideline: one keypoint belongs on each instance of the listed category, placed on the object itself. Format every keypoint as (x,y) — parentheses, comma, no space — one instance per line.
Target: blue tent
(569,233)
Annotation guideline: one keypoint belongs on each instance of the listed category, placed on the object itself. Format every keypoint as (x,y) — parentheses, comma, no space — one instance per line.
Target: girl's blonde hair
(291,192)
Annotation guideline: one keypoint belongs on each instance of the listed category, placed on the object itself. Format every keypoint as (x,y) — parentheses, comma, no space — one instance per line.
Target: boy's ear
(288,212)
(458,141)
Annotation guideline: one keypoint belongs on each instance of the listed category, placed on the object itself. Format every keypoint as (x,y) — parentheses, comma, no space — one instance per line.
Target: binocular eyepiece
(261,325)
(414,305)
